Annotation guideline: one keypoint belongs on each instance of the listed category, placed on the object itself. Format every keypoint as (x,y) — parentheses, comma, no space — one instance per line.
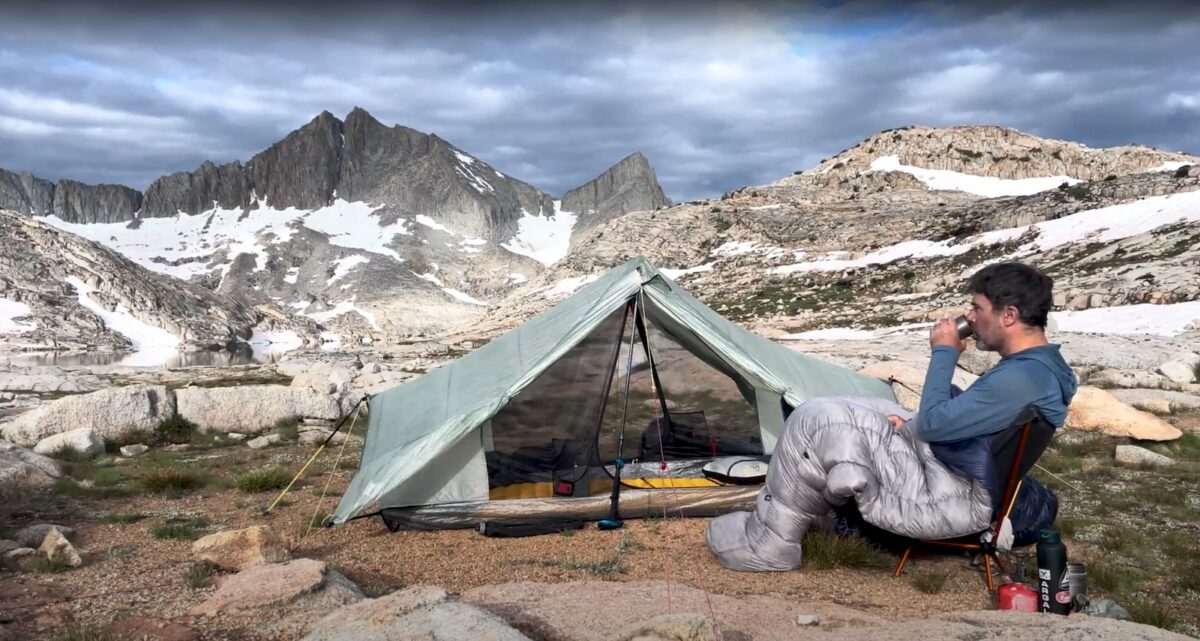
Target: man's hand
(896,421)
(945,332)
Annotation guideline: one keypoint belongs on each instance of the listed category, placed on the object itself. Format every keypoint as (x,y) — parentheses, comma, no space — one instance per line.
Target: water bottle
(1054,589)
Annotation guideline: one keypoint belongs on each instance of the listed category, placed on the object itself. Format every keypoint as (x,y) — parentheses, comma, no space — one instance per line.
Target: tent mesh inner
(563,425)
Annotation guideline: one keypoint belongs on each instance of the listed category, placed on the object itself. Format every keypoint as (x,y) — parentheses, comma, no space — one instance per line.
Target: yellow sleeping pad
(546,489)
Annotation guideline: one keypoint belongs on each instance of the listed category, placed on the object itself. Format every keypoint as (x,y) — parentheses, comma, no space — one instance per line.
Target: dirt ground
(128,571)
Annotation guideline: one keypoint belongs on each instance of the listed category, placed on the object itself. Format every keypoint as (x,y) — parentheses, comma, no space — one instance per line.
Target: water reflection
(144,358)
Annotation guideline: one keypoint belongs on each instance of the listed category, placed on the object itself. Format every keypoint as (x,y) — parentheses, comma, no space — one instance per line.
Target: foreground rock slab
(602,611)
(419,612)
(241,549)
(114,413)
(272,585)
(33,535)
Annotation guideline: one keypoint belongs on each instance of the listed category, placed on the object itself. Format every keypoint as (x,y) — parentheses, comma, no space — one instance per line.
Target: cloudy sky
(718,96)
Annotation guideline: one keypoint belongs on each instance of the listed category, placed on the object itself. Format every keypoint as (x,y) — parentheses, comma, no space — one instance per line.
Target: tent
(530,423)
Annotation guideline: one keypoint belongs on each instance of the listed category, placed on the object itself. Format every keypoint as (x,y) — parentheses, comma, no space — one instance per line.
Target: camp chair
(1014,450)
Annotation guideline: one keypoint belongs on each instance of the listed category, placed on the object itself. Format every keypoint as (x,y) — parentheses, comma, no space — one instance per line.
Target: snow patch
(1170,165)
(152,345)
(291,275)
(432,224)
(567,286)
(343,266)
(344,307)
(1160,320)
(1105,224)
(453,293)
(987,186)
(11,309)
(544,239)
(517,279)
(676,274)
(463,158)
(273,343)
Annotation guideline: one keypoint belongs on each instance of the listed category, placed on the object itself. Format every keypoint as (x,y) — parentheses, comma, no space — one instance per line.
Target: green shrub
(68,454)
(272,478)
(168,480)
(184,529)
(175,430)
(1149,613)
(1182,172)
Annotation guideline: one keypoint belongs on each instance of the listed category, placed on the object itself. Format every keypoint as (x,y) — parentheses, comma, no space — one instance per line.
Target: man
(1010,304)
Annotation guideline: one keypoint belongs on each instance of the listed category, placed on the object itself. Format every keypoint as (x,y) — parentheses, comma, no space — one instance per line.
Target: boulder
(84,440)
(58,549)
(418,612)
(277,584)
(251,408)
(134,450)
(241,549)
(1095,410)
(23,471)
(1158,400)
(1178,372)
(114,413)
(263,441)
(678,626)
(17,555)
(1135,455)
(8,546)
(40,383)
(911,380)
(33,535)
(1130,378)
(309,437)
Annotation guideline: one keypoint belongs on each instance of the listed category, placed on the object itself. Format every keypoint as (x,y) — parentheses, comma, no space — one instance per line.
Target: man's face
(989,331)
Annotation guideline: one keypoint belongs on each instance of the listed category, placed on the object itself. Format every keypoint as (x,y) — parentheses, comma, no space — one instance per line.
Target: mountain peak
(629,185)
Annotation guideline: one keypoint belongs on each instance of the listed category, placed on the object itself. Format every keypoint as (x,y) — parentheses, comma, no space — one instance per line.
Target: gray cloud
(717,96)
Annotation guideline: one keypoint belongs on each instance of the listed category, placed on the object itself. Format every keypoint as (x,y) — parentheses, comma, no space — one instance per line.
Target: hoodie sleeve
(991,404)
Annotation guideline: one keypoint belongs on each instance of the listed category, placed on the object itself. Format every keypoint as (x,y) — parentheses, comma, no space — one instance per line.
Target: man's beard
(983,345)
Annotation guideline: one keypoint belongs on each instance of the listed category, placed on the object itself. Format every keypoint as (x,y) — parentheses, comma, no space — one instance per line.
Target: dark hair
(1017,284)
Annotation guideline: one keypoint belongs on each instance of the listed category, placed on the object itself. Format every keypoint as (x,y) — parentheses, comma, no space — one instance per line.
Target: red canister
(1017,596)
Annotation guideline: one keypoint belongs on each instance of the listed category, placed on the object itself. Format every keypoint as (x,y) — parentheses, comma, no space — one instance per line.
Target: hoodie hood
(1050,356)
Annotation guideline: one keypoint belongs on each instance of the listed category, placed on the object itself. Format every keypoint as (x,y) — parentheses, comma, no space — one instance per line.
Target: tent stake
(315,454)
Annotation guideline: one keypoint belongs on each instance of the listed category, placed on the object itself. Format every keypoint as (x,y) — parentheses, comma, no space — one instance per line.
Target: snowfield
(986,186)
(10,310)
(544,239)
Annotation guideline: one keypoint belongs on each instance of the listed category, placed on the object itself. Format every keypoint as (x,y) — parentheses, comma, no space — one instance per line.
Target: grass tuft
(175,430)
(167,480)
(68,454)
(1149,613)
(288,428)
(929,583)
(43,565)
(264,480)
(82,633)
(1113,579)
(188,529)
(199,575)
(824,551)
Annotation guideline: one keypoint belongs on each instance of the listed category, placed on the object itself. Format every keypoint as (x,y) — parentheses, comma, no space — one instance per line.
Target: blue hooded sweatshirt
(1036,376)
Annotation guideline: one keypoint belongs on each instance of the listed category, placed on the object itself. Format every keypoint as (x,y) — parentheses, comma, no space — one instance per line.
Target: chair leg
(903,560)
(987,571)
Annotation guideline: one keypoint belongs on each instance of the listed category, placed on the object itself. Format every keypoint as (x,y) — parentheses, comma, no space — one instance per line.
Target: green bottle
(1054,590)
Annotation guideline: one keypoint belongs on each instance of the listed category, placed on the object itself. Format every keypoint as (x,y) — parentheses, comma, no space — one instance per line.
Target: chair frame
(987,543)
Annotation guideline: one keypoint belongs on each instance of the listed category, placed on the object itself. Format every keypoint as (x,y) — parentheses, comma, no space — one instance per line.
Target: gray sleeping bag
(839,449)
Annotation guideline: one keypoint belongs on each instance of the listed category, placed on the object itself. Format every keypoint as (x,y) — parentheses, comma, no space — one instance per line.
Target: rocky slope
(58,291)
(380,232)
(849,245)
